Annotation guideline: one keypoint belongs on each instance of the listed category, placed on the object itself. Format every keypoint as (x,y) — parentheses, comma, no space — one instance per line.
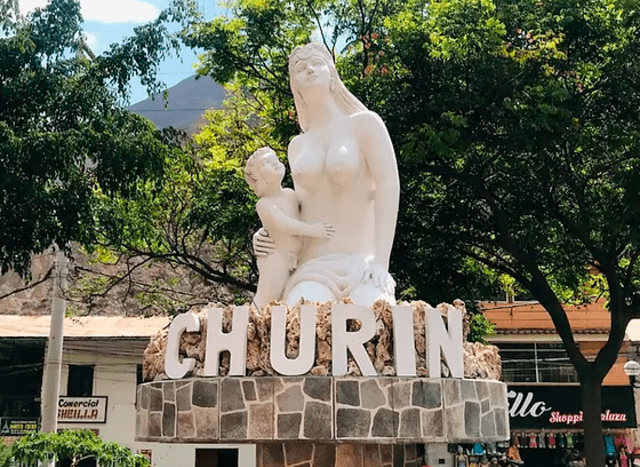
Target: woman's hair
(255,161)
(346,101)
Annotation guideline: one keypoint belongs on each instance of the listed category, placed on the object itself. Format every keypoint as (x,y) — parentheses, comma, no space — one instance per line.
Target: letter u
(306,346)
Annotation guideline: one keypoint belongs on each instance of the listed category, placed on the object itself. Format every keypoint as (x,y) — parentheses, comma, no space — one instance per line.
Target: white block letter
(343,340)
(449,341)
(306,347)
(404,351)
(173,367)
(234,341)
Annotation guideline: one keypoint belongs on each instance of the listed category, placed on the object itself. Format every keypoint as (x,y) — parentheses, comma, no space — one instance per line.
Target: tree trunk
(590,389)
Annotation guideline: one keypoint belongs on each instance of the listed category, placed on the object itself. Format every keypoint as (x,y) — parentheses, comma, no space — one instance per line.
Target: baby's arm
(270,215)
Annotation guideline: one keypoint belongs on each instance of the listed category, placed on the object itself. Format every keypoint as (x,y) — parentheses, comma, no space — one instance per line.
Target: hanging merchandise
(460,459)
(623,455)
(551,440)
(569,440)
(524,440)
(477,449)
(532,441)
(513,454)
(562,440)
(542,440)
(610,449)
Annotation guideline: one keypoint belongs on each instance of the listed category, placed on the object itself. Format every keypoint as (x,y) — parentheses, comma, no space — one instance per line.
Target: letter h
(234,341)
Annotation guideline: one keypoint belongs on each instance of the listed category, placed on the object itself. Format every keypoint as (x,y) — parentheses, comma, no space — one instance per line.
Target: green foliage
(74,445)
(516,129)
(480,328)
(248,52)
(63,133)
(5,454)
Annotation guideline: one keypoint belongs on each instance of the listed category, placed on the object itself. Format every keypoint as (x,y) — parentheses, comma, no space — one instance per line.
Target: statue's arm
(381,160)
(263,244)
(273,217)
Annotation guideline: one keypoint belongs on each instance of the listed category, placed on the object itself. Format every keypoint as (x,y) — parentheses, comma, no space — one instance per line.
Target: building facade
(543,389)
(101,368)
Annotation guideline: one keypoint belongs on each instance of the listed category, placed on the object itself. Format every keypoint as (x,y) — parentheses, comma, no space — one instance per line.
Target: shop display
(551,447)
(623,456)
(460,459)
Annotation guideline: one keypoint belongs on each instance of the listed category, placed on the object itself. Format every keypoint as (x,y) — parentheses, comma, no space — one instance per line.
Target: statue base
(322,409)
(328,455)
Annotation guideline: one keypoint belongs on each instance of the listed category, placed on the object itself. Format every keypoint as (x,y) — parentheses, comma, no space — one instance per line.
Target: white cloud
(27,6)
(91,39)
(105,11)
(118,11)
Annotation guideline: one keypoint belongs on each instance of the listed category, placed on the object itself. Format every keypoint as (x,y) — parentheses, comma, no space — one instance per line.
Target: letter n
(448,341)
(234,341)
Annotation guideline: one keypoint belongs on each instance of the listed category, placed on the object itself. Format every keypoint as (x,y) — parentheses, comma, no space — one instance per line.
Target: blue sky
(108,21)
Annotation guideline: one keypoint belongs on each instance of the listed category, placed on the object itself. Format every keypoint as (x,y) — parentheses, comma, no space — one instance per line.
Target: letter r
(341,340)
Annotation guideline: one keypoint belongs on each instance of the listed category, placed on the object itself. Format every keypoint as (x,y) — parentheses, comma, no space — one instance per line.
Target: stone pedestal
(338,455)
(317,409)
(317,420)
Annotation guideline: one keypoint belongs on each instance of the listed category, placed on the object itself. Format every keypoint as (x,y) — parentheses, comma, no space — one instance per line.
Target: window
(139,375)
(536,363)
(20,377)
(80,383)
(216,458)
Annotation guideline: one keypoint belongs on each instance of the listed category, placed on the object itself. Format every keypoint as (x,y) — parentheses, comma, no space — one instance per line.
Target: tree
(64,135)
(203,216)
(527,123)
(74,446)
(516,129)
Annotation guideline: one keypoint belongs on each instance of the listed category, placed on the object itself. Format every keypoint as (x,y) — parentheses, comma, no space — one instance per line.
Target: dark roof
(187,102)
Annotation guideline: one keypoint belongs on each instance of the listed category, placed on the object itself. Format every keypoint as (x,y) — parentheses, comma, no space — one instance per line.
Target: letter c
(173,367)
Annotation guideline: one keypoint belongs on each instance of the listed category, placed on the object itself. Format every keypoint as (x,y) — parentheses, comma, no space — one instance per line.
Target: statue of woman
(345,175)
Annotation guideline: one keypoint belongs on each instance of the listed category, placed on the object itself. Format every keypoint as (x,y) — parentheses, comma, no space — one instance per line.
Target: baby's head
(254,173)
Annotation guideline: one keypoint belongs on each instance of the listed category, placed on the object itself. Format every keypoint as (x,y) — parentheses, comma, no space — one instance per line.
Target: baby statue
(279,211)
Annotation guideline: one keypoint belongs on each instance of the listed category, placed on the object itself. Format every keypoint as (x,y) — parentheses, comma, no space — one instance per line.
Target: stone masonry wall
(322,410)
(328,455)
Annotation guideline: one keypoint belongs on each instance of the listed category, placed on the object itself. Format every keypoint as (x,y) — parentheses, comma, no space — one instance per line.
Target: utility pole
(53,359)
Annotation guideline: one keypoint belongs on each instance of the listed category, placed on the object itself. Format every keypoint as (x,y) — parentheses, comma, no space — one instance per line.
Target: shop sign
(82,409)
(18,426)
(560,407)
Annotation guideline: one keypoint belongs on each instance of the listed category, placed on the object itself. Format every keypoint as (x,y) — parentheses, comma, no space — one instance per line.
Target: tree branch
(30,285)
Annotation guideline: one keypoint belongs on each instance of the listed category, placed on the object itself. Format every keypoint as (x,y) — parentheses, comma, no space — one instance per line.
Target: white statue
(345,175)
(279,212)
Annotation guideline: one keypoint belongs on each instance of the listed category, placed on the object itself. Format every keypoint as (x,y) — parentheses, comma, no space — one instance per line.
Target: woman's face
(311,72)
